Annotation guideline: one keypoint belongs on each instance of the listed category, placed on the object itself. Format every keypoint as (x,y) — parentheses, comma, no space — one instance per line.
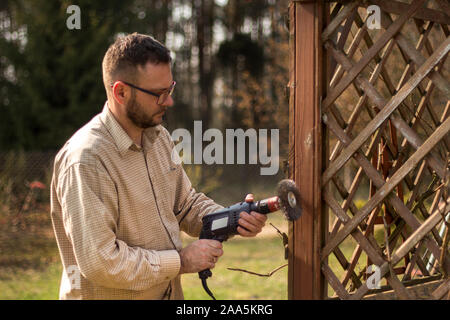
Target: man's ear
(120,92)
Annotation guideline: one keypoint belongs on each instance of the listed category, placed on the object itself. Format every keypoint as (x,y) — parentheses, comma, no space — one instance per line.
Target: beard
(137,115)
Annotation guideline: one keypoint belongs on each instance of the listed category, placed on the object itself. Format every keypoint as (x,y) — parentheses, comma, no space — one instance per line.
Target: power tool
(222,224)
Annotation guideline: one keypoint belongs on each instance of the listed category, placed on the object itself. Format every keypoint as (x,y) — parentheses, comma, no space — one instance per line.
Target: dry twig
(260,274)
(285,244)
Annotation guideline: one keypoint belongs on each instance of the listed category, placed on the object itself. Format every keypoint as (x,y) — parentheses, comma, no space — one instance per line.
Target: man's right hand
(200,255)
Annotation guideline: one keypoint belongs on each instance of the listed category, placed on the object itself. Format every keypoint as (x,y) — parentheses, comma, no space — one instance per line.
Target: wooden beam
(426,14)
(384,189)
(440,292)
(336,22)
(420,291)
(305,279)
(371,53)
(386,112)
(440,82)
(445,6)
(368,248)
(416,236)
(380,102)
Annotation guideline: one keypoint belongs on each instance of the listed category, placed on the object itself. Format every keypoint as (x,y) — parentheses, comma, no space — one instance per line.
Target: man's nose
(169,102)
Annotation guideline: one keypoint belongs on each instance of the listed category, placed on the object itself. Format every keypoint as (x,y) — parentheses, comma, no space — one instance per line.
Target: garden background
(231,64)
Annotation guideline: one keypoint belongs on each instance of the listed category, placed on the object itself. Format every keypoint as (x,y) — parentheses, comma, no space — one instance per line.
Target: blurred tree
(241,55)
(255,58)
(51,81)
(204,15)
(50,76)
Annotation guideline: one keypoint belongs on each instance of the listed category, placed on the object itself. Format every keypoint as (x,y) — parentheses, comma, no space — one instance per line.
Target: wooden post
(305,279)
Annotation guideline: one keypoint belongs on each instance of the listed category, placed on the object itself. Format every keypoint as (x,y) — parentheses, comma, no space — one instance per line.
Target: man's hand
(200,255)
(253,223)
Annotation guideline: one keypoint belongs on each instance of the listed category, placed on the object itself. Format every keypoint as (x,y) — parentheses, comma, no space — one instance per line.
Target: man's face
(142,108)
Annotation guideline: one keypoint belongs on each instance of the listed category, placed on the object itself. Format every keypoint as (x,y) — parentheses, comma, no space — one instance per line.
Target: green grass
(29,259)
(260,255)
(30,267)
(30,284)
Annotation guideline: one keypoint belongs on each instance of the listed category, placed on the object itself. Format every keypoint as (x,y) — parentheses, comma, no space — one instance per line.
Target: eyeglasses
(162,97)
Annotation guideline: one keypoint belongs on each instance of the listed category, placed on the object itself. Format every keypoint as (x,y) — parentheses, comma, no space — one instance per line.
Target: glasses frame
(162,97)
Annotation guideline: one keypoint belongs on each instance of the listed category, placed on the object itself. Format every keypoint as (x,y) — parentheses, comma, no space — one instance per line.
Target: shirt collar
(150,134)
(120,137)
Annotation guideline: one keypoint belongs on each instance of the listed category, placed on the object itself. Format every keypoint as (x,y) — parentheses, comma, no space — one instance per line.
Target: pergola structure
(370,149)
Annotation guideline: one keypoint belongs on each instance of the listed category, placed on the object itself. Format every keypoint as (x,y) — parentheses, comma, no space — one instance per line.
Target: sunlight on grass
(32,284)
(256,255)
(261,255)
(30,268)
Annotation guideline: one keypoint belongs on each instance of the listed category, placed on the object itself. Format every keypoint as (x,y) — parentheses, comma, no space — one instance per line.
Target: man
(118,201)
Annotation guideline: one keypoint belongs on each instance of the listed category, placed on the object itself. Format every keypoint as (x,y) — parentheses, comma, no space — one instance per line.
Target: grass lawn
(29,261)
(30,268)
(261,255)
(32,284)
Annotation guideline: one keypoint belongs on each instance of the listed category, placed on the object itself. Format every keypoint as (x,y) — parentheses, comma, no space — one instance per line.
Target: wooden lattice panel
(386,114)
(370,148)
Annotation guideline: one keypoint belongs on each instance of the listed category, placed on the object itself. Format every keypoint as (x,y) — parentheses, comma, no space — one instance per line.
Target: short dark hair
(127,53)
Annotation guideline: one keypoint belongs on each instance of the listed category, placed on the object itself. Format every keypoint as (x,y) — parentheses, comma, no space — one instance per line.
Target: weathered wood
(291,86)
(409,64)
(445,7)
(439,81)
(334,282)
(385,189)
(446,114)
(417,235)
(336,22)
(344,35)
(415,260)
(386,111)
(398,171)
(367,246)
(380,102)
(422,291)
(397,7)
(346,266)
(363,99)
(380,183)
(370,54)
(359,249)
(360,34)
(305,276)
(442,290)
(423,39)
(418,288)
(292,142)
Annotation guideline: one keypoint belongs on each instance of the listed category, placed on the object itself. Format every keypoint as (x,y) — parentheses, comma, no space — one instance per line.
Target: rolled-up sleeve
(89,201)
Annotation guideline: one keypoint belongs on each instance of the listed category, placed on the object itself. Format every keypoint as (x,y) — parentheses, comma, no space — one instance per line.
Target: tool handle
(205,274)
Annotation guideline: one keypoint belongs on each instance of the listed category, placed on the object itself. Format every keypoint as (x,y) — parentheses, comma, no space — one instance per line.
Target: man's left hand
(253,223)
